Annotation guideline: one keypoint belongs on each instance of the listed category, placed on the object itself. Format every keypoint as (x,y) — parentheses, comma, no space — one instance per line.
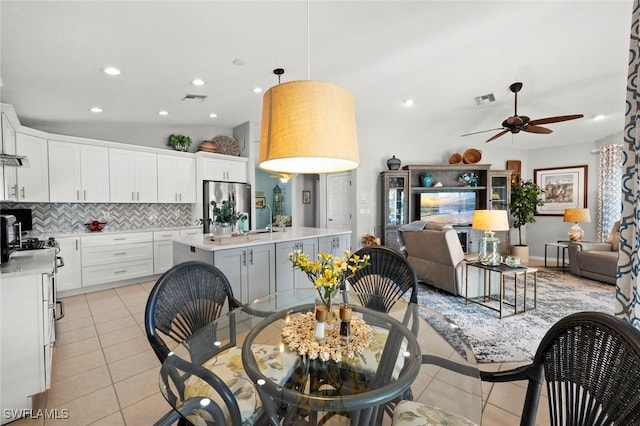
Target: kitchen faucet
(270,225)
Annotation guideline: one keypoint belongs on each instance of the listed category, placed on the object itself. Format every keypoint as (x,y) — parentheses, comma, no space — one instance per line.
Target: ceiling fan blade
(496,136)
(537,129)
(557,119)
(481,131)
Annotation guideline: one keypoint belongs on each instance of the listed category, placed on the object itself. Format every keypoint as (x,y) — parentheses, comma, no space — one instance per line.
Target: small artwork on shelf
(306,197)
(515,167)
(260,202)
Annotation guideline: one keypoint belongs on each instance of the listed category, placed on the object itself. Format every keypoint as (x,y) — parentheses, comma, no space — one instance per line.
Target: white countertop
(210,242)
(29,262)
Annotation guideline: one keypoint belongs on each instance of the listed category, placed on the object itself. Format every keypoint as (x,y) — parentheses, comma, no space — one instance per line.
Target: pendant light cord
(308,42)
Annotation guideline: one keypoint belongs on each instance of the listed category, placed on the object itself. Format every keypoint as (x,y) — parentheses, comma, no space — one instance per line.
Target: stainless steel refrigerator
(239,193)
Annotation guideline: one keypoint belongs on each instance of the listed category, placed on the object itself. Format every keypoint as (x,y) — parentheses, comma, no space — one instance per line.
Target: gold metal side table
(490,299)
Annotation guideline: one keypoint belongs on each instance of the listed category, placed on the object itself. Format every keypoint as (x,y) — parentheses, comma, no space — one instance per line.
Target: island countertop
(210,242)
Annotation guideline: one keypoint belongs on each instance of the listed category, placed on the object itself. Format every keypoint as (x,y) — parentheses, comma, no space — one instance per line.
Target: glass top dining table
(409,352)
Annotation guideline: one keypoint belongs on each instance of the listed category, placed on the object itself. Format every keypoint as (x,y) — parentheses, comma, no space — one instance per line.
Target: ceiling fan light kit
(518,123)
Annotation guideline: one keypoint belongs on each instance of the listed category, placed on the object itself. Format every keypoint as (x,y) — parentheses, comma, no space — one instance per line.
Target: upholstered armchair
(598,261)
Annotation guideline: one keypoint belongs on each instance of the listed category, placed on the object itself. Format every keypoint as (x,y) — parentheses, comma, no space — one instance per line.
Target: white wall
(552,228)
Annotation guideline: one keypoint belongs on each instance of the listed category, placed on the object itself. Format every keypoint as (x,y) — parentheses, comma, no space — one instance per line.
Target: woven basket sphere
(455,158)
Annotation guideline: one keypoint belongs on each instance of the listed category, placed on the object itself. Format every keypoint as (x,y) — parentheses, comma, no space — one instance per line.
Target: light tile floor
(105,373)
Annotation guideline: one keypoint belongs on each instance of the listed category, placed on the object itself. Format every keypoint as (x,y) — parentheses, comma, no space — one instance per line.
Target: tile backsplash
(70,217)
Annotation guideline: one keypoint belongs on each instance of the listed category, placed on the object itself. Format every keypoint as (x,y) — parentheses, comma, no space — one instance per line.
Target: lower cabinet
(163,250)
(250,270)
(116,257)
(69,276)
(287,277)
(27,334)
(335,244)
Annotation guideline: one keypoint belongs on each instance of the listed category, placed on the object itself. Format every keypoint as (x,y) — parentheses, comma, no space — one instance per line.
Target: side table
(560,245)
(489,296)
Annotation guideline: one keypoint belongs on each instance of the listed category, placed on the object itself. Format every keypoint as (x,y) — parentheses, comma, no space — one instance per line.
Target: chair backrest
(186,298)
(591,363)
(388,277)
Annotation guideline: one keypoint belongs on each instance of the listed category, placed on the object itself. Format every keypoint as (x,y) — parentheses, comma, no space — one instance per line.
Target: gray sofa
(598,261)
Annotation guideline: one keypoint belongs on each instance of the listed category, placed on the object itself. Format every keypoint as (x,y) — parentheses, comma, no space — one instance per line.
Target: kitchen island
(256,263)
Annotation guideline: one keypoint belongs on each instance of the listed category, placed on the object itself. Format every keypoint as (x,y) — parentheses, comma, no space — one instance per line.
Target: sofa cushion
(614,237)
(601,262)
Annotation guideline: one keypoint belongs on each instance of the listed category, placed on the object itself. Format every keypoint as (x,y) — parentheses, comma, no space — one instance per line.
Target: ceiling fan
(518,123)
(283,177)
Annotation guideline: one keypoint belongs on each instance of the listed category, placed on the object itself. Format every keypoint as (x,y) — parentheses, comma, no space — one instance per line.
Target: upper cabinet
(9,174)
(176,179)
(133,176)
(223,167)
(33,181)
(78,172)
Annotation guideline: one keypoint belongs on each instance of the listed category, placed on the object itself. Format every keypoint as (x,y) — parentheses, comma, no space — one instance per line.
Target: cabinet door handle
(138,195)
(120,272)
(76,245)
(133,198)
(244,258)
(181,196)
(78,194)
(120,239)
(22,192)
(120,254)
(251,257)
(176,195)
(85,194)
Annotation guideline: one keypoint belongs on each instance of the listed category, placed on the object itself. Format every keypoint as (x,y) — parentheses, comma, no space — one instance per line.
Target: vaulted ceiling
(570,55)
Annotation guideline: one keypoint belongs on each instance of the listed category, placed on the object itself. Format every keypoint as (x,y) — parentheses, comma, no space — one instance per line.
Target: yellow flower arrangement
(328,273)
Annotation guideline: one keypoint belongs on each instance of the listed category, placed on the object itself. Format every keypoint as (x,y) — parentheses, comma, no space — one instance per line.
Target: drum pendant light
(308,127)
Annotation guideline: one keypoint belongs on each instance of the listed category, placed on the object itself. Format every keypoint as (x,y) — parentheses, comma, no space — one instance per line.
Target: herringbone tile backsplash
(69,217)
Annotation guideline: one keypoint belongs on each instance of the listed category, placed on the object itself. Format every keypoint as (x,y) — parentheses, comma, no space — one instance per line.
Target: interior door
(338,201)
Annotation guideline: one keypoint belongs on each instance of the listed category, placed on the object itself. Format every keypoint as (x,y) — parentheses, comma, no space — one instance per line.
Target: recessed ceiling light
(408,102)
(197,82)
(239,62)
(599,117)
(257,90)
(163,112)
(96,109)
(213,115)
(111,71)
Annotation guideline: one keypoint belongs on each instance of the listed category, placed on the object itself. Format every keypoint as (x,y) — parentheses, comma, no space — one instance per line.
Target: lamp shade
(576,215)
(308,127)
(490,220)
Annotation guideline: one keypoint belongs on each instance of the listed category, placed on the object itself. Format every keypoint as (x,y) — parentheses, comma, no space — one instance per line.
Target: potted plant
(180,142)
(525,197)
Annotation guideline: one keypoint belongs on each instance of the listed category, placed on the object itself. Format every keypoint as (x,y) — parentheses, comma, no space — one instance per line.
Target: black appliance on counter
(23,216)
(9,236)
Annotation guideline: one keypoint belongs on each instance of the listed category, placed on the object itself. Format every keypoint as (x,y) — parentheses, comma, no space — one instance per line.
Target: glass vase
(326,300)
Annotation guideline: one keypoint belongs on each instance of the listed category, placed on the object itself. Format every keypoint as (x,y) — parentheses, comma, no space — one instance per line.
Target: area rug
(516,338)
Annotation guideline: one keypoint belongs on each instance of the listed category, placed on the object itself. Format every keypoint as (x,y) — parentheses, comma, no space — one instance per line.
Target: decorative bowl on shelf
(471,156)
(455,158)
(95,225)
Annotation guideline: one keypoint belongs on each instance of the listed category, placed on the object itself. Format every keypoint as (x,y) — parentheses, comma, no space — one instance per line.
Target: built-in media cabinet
(446,193)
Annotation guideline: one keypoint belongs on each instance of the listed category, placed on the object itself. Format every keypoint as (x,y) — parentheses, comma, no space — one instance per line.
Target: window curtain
(628,282)
(609,191)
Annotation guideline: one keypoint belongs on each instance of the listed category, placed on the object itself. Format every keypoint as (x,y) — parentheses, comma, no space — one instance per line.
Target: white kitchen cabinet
(176,179)
(116,257)
(223,168)
(78,172)
(69,276)
(250,270)
(287,277)
(133,176)
(9,173)
(335,244)
(163,250)
(26,338)
(30,183)
(190,231)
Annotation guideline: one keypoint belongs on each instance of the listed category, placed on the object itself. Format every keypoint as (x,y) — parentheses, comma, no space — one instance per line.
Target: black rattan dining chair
(388,277)
(591,364)
(186,298)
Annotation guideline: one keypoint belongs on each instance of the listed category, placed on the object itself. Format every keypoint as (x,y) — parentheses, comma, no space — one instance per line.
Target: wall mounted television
(452,207)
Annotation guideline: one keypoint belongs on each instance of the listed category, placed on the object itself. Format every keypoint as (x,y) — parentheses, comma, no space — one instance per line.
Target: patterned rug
(516,338)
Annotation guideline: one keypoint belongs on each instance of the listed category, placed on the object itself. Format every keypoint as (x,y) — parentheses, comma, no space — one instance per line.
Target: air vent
(194,98)
(485,99)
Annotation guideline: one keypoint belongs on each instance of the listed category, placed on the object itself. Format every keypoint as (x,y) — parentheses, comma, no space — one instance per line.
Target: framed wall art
(260,202)
(306,197)
(564,188)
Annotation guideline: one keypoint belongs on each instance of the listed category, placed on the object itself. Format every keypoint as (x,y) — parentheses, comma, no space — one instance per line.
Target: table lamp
(575,216)
(490,221)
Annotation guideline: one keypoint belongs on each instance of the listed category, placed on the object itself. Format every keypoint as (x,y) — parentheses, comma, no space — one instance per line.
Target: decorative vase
(325,300)
(393,163)
(222,229)
(425,178)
